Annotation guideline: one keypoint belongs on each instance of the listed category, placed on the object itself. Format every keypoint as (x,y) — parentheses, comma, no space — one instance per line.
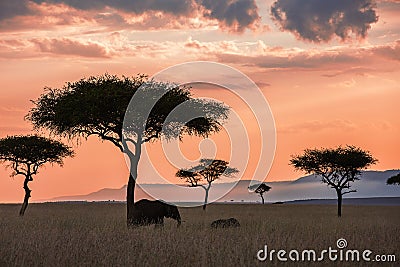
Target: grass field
(95,234)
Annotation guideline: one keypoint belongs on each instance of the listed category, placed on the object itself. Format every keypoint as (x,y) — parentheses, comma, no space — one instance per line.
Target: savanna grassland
(95,234)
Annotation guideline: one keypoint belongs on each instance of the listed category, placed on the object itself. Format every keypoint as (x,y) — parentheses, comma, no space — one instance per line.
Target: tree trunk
(130,190)
(130,199)
(27,196)
(206,198)
(262,198)
(339,207)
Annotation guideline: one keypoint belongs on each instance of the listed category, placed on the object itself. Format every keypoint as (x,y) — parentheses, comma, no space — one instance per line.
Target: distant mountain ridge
(372,184)
(372,201)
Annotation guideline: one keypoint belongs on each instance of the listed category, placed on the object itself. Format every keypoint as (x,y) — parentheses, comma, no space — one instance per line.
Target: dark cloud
(239,14)
(10,9)
(322,20)
(232,15)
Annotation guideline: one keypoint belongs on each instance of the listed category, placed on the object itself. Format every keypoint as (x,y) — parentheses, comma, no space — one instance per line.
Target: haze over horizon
(372,184)
(335,82)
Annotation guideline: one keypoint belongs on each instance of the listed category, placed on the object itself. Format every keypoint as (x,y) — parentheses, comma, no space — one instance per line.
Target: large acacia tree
(205,173)
(337,167)
(26,154)
(96,106)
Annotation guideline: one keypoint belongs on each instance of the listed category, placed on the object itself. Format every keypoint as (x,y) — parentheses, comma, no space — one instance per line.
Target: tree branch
(126,150)
(144,140)
(102,135)
(17,170)
(112,140)
(328,181)
(345,179)
(348,192)
(130,140)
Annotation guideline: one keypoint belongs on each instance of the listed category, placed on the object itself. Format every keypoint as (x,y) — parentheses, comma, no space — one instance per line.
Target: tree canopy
(337,167)
(205,173)
(394,180)
(28,153)
(260,189)
(97,106)
(25,154)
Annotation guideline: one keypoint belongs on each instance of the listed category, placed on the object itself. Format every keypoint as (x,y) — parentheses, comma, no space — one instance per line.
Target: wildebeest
(225,223)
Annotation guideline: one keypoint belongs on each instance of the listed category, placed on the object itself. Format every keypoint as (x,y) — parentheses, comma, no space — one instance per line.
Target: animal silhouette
(148,212)
(225,223)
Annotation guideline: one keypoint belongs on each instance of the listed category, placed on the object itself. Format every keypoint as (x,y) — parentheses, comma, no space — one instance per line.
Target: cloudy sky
(329,70)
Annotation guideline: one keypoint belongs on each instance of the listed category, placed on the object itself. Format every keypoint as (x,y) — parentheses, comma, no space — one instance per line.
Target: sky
(328,69)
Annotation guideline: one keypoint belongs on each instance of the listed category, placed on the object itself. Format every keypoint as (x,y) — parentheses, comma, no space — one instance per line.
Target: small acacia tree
(204,174)
(337,167)
(97,106)
(394,180)
(260,189)
(26,154)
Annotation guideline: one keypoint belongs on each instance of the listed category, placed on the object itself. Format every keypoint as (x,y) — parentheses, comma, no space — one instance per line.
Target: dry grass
(96,234)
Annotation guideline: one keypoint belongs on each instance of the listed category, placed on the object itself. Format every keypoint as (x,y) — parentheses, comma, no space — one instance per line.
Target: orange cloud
(211,47)
(389,51)
(71,47)
(317,126)
(334,58)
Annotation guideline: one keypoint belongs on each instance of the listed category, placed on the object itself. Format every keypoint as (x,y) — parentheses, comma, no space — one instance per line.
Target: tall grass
(95,234)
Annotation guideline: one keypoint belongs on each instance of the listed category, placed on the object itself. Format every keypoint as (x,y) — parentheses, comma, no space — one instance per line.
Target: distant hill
(371,185)
(373,201)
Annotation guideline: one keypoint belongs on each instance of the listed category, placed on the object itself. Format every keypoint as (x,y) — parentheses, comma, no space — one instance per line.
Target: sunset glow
(333,83)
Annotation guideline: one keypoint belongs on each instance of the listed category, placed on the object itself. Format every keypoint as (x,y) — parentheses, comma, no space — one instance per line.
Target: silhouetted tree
(26,154)
(394,180)
(206,172)
(260,189)
(338,167)
(98,105)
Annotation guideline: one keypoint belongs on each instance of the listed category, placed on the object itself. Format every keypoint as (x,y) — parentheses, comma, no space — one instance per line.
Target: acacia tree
(208,171)
(26,154)
(337,167)
(260,189)
(97,106)
(394,180)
